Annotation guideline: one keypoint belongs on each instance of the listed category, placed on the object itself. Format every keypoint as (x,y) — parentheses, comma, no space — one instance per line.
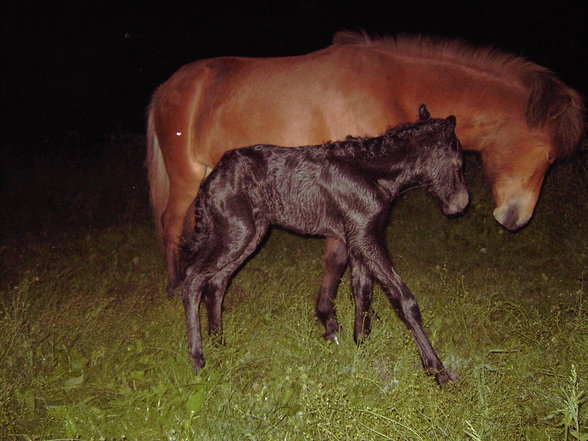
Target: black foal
(340,190)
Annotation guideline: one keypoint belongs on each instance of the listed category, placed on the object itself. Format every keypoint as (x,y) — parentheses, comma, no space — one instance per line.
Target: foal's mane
(392,140)
(550,100)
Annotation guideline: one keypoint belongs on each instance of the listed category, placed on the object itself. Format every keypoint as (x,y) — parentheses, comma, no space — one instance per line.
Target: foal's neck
(393,164)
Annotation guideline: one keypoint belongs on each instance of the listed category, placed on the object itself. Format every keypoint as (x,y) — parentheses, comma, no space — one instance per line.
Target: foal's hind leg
(371,251)
(192,295)
(213,301)
(210,273)
(335,262)
(216,287)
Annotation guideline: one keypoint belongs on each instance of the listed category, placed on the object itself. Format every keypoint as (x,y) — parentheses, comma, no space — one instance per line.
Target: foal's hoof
(331,330)
(217,339)
(445,375)
(331,336)
(197,361)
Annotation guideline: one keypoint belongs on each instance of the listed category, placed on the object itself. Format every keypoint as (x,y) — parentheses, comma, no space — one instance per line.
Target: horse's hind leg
(334,262)
(182,193)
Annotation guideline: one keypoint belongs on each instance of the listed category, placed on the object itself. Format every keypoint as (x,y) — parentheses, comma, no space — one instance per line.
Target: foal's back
(262,176)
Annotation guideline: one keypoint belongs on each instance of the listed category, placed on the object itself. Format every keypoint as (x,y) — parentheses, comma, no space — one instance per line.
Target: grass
(92,348)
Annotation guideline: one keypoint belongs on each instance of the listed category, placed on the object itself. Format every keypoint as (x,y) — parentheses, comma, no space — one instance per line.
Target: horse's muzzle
(509,217)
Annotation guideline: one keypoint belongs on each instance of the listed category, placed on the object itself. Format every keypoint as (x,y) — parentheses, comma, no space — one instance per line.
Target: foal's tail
(552,100)
(157,174)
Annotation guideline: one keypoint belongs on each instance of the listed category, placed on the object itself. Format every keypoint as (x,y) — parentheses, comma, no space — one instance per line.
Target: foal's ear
(451,122)
(424,113)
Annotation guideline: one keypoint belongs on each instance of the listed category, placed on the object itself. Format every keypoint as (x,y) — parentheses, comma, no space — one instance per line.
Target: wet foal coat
(340,190)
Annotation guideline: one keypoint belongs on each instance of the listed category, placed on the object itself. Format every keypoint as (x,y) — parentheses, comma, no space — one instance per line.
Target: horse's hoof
(172,286)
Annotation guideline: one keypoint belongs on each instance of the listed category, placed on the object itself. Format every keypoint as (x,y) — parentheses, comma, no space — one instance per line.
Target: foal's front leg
(372,252)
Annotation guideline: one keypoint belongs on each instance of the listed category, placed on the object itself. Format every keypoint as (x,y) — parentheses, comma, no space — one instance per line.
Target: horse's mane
(549,98)
(421,46)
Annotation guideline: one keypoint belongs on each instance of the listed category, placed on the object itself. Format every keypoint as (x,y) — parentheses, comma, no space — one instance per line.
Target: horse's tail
(551,100)
(156,172)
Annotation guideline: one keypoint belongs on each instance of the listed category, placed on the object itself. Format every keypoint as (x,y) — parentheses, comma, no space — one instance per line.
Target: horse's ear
(424,113)
(451,123)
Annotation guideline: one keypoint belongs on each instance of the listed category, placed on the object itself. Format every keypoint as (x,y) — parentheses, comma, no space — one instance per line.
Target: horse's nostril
(509,217)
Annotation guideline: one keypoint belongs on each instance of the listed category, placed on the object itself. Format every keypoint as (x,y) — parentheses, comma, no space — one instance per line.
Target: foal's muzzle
(458,203)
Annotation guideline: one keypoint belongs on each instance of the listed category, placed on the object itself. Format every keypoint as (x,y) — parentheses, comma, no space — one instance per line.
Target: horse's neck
(483,101)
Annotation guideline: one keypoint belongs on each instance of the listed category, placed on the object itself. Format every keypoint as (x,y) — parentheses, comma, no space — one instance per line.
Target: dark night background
(90,66)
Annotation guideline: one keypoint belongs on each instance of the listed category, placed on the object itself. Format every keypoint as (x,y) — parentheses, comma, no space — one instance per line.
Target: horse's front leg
(191,296)
(334,263)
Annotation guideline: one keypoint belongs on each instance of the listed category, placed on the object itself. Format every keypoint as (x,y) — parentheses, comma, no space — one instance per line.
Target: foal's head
(441,170)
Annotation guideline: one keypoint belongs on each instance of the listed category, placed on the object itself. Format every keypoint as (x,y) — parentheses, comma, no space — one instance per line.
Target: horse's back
(288,101)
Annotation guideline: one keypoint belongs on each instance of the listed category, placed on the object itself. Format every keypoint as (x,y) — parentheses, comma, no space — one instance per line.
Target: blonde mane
(486,59)
(549,98)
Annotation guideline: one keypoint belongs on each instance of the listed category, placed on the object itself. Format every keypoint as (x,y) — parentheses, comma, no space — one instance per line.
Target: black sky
(90,65)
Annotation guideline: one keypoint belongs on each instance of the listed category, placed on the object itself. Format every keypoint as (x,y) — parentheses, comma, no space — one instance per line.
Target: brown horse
(517,114)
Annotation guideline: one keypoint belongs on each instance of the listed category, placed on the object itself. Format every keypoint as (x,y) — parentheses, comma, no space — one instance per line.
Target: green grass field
(92,349)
